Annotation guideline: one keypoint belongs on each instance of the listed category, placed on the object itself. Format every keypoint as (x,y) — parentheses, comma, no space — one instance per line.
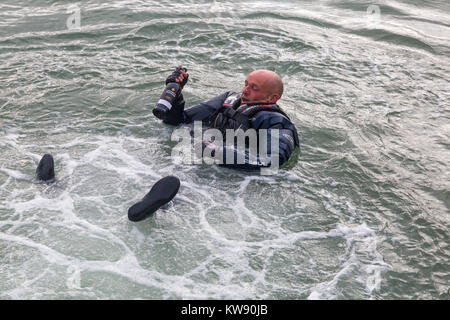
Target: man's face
(256,89)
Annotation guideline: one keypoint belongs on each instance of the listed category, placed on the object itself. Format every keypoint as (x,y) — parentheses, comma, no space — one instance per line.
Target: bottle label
(165,103)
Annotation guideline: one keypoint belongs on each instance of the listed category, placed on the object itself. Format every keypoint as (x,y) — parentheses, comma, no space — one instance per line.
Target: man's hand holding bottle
(174,84)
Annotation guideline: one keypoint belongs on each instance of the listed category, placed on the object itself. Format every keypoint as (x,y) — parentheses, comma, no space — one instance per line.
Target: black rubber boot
(46,168)
(161,193)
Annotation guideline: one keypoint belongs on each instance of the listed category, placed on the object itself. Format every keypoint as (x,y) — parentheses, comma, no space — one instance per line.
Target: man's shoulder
(276,120)
(271,117)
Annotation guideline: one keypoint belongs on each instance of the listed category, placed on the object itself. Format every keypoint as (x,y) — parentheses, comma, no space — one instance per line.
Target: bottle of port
(165,101)
(169,94)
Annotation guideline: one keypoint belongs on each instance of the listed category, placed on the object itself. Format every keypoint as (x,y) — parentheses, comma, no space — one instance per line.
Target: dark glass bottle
(165,102)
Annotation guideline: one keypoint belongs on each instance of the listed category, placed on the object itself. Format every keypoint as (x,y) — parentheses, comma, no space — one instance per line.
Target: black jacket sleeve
(199,112)
(279,137)
(279,147)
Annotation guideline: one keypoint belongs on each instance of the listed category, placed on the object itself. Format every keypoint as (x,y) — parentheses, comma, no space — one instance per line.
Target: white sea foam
(369,272)
(15,174)
(236,279)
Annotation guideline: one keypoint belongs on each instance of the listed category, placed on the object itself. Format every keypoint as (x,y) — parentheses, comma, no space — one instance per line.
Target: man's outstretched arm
(199,112)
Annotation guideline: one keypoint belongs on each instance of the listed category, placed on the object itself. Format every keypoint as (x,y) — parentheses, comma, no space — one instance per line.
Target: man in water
(254,109)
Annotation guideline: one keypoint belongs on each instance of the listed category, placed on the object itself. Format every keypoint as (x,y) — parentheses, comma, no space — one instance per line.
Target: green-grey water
(363,213)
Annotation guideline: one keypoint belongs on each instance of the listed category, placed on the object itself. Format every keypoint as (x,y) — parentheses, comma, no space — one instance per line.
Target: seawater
(363,213)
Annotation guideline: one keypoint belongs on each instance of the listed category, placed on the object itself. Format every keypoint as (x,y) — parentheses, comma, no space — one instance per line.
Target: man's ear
(274,98)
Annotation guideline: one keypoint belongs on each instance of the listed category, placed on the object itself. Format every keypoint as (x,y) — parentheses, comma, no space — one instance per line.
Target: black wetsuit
(266,118)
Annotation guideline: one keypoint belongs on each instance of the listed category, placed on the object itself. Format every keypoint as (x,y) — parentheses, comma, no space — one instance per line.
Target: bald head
(262,86)
(272,81)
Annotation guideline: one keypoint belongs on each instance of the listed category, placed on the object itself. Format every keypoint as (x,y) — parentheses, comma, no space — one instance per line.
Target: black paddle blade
(46,168)
(161,193)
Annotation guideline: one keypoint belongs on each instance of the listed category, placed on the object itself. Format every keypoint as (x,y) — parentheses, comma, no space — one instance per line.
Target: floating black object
(161,193)
(46,168)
